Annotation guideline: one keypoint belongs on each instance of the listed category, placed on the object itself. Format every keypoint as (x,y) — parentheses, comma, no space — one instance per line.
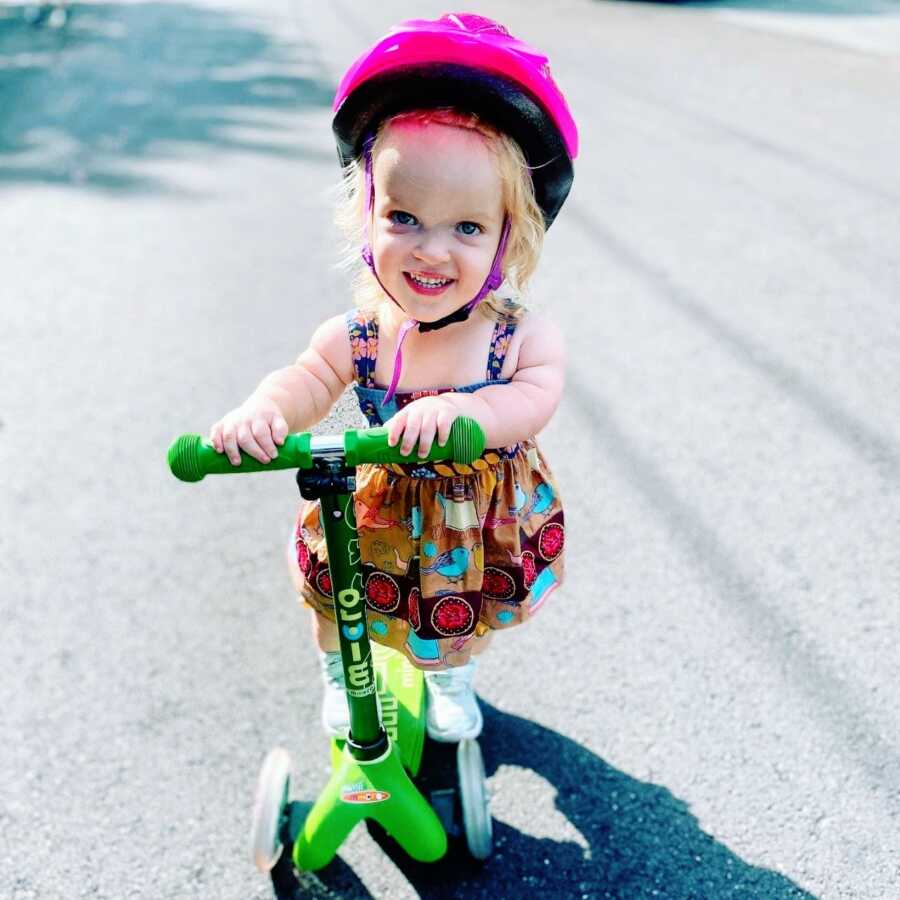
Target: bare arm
(290,399)
(306,390)
(513,412)
(508,413)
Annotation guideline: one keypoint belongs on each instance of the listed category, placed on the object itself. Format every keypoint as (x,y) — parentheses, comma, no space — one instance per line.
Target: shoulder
(535,327)
(331,342)
(537,341)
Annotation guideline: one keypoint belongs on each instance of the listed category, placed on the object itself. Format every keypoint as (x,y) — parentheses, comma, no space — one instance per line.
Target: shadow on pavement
(636,839)
(803,7)
(125,83)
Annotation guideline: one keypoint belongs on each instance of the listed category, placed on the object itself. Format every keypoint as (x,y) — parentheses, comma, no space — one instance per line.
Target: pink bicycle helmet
(469,63)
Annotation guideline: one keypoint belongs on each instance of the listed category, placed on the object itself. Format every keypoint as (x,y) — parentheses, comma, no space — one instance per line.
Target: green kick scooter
(372,770)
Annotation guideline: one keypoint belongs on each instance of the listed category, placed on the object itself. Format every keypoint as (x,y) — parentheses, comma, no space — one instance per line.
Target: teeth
(430,282)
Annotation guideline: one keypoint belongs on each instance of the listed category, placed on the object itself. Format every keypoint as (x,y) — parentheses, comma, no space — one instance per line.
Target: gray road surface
(709,708)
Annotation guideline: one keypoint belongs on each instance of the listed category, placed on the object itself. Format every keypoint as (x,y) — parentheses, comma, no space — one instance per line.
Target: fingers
(395,426)
(230,444)
(411,432)
(215,437)
(279,429)
(421,423)
(405,425)
(427,431)
(445,420)
(247,441)
(261,431)
(257,436)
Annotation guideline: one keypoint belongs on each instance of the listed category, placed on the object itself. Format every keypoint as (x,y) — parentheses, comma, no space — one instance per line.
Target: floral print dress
(448,551)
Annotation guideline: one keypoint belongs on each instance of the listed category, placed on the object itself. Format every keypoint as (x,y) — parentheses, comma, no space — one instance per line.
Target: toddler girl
(457,147)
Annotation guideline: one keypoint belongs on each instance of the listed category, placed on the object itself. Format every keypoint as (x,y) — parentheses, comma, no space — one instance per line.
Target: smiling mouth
(429,285)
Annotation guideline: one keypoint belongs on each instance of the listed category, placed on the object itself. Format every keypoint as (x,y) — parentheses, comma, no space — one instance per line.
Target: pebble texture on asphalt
(708,708)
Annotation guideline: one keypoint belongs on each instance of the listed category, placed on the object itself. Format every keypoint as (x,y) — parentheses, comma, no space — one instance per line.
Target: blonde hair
(526,231)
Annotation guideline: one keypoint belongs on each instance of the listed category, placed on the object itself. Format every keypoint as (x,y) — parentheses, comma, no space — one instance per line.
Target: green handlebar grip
(191,457)
(369,445)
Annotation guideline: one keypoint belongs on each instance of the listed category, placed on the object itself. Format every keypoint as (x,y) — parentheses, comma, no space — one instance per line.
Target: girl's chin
(426,313)
(427,309)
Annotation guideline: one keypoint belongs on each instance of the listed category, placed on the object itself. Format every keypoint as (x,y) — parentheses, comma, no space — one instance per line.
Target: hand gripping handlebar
(191,457)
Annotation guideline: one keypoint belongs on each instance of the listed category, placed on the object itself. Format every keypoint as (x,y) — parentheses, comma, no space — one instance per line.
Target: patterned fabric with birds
(447,551)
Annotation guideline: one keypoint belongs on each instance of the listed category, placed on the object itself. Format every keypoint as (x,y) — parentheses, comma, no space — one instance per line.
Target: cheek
(477,261)
(388,248)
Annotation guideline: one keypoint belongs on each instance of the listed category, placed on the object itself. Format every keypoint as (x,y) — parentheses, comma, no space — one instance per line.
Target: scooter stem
(339,523)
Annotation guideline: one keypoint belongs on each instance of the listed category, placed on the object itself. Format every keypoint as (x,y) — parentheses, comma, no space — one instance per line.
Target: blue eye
(398,217)
(470,229)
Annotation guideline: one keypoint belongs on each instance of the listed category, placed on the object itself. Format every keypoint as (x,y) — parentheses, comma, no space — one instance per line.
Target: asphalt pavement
(708,707)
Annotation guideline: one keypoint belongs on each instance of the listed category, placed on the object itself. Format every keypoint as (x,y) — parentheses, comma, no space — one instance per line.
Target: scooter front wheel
(474,799)
(269,808)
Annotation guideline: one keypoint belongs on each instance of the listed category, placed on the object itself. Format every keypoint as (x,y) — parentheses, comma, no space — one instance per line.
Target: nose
(431,247)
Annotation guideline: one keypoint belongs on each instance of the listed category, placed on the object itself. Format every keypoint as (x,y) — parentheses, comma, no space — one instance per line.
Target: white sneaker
(453,712)
(335,712)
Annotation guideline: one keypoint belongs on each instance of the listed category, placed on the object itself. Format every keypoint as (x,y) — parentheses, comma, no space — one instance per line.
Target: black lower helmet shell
(495,99)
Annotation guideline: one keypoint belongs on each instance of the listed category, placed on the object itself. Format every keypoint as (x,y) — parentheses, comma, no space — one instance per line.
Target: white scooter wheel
(474,799)
(269,804)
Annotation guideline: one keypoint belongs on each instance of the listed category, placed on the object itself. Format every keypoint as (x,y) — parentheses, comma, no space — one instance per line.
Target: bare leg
(324,632)
(474,646)
(480,644)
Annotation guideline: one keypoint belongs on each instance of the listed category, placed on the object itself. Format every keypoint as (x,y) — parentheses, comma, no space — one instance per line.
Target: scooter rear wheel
(269,806)
(474,799)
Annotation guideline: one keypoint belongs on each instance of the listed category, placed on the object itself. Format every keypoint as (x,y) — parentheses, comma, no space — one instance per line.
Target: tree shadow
(802,7)
(634,839)
(121,84)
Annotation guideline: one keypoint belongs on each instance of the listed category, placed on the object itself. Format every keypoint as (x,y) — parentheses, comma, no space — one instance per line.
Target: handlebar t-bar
(191,457)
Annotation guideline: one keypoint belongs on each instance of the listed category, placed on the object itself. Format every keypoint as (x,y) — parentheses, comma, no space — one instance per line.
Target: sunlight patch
(526,801)
(866,33)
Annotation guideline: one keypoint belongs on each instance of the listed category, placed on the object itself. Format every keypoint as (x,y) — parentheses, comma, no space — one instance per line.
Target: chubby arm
(289,399)
(508,413)
(512,412)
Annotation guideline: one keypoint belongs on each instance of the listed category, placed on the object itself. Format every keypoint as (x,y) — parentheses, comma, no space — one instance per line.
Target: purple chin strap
(491,283)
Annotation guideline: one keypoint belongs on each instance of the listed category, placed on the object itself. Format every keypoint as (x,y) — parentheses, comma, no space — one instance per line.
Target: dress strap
(503,332)
(363,331)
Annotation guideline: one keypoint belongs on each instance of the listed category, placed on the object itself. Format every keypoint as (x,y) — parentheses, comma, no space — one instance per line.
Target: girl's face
(437,217)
